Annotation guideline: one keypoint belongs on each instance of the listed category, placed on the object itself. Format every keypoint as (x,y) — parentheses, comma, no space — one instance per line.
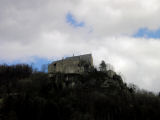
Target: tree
(103,66)
(133,88)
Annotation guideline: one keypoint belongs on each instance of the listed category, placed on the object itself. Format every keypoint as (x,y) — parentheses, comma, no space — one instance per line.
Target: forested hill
(96,95)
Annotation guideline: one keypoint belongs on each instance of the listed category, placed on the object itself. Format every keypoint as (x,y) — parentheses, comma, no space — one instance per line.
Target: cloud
(106,28)
(112,17)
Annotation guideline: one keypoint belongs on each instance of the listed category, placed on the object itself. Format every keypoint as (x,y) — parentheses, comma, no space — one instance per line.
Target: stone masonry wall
(70,64)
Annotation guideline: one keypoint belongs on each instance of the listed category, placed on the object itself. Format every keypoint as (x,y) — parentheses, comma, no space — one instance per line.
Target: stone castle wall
(75,64)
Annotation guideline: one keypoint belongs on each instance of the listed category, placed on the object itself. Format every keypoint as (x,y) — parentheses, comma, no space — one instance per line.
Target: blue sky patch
(72,21)
(38,62)
(146,33)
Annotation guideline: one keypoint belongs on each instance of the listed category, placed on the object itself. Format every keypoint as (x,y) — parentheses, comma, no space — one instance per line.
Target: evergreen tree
(103,66)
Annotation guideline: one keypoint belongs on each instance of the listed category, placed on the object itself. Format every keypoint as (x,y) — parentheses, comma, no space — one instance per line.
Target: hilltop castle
(75,64)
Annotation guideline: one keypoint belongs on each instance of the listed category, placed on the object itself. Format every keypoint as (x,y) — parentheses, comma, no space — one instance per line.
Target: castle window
(55,65)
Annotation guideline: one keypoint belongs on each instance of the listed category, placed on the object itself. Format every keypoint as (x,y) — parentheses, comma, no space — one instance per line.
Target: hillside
(94,95)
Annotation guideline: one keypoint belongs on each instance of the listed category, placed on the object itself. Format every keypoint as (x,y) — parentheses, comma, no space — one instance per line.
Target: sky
(124,33)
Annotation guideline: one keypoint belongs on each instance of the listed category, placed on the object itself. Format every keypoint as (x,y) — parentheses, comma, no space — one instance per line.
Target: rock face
(75,64)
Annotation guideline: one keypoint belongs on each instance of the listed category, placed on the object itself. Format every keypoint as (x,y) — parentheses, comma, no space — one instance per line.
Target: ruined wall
(71,64)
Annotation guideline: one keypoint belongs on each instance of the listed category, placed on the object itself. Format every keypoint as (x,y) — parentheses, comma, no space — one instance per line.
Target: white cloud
(39,28)
(114,17)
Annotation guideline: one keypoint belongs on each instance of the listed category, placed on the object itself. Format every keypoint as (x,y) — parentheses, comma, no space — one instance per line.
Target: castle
(76,64)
